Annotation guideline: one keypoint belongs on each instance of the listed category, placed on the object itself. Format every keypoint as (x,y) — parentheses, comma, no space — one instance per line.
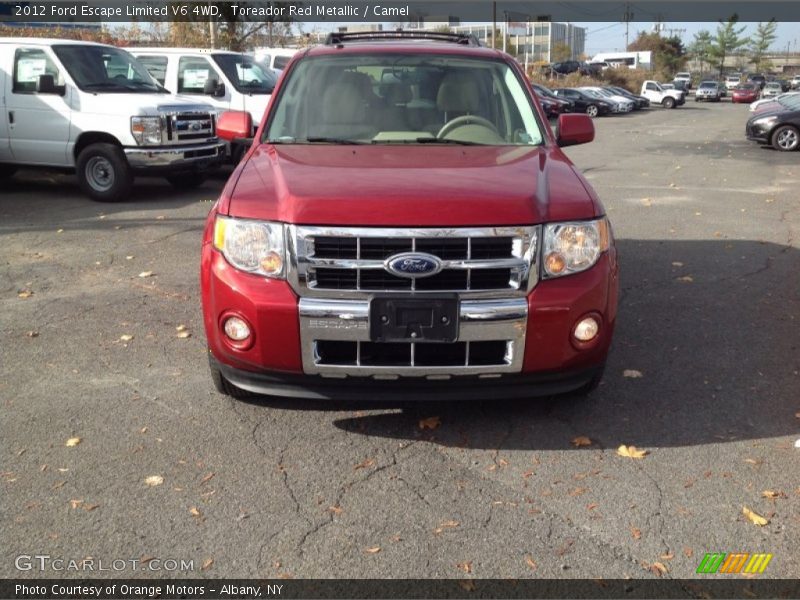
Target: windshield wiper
(433,140)
(331,140)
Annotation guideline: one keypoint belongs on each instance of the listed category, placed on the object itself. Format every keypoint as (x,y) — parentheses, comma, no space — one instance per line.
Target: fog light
(586,329)
(236,329)
(271,263)
(554,263)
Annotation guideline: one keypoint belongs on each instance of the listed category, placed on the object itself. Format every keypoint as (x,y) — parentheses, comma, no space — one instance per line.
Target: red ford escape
(404,225)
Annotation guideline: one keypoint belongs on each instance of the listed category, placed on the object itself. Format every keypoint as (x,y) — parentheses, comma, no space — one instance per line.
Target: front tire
(668,102)
(786,138)
(592,110)
(186,181)
(225,387)
(104,173)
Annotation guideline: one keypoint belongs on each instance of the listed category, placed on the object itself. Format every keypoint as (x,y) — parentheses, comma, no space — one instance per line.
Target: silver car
(708,90)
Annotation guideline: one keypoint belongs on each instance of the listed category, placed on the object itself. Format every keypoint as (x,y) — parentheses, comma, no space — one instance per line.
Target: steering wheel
(464,120)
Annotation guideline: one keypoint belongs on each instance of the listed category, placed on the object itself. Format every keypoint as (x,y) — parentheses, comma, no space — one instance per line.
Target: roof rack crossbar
(466,39)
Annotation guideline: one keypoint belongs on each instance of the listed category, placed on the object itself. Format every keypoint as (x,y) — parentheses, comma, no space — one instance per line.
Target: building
(532,41)
(632,60)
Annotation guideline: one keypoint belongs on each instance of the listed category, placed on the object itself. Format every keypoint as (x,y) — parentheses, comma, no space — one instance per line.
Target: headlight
(146,130)
(765,121)
(573,247)
(253,246)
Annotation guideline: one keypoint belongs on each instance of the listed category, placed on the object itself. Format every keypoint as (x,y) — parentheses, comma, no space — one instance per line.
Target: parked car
(621,104)
(785,85)
(275,58)
(354,255)
(745,93)
(684,77)
(658,94)
(591,105)
(546,94)
(795,82)
(94,109)
(760,80)
(639,102)
(566,67)
(771,90)
(681,85)
(732,81)
(226,80)
(779,126)
(708,90)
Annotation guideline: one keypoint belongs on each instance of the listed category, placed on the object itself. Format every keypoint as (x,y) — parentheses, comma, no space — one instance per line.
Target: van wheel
(186,181)
(668,102)
(104,173)
(592,110)
(7,171)
(223,386)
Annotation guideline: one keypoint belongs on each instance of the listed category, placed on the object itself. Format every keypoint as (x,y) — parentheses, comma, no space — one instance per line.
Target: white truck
(95,110)
(653,91)
(685,77)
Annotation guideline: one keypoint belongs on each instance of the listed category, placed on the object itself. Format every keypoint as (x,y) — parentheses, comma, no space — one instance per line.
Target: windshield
(398,98)
(593,93)
(100,69)
(247,75)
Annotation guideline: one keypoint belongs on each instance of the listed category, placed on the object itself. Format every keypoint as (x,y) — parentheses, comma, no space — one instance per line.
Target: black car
(594,107)
(566,67)
(779,127)
(566,104)
(639,102)
(759,80)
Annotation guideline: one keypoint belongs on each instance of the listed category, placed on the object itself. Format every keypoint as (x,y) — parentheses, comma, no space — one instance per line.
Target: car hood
(409,185)
(134,104)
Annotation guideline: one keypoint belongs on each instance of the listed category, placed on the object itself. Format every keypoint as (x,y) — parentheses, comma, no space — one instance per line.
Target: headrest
(342,103)
(396,93)
(458,93)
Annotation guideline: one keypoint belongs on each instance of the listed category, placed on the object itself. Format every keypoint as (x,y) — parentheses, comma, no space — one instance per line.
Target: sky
(610,37)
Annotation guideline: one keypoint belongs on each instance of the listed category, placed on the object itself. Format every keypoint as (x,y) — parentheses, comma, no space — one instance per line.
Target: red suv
(403,226)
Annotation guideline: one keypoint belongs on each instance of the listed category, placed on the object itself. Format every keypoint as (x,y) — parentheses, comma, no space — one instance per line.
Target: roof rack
(465,39)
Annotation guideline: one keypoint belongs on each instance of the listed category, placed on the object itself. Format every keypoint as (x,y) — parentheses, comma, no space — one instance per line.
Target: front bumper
(176,158)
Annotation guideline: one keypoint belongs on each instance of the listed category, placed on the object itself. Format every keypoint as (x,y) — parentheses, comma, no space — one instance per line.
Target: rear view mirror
(46,84)
(574,129)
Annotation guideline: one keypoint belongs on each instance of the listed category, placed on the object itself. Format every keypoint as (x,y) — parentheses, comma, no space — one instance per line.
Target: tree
(727,41)
(669,55)
(764,37)
(700,48)
(560,52)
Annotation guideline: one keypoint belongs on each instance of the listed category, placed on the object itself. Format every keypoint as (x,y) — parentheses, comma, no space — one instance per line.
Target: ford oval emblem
(413,265)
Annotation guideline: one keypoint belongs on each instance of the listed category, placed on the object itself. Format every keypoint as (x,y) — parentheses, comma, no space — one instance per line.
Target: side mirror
(213,88)
(46,84)
(235,125)
(220,91)
(574,129)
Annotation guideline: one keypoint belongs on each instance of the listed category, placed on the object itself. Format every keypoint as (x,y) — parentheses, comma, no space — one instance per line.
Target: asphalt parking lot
(704,375)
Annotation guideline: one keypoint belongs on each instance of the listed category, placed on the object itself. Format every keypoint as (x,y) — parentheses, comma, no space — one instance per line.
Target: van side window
(29,63)
(193,73)
(156,66)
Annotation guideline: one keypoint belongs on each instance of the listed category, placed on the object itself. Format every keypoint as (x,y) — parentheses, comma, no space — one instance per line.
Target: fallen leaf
(530,561)
(465,566)
(180,328)
(771,494)
(25,293)
(337,510)
(646,202)
(154,480)
(688,552)
(144,274)
(195,512)
(591,506)
(446,525)
(73,441)
(631,452)
(578,491)
(59,231)
(685,279)
(527,474)
(32,334)
(430,423)
(754,517)
(677,264)
(126,337)
(636,533)
(207,478)
(667,556)
(632,373)
(129,257)
(75,503)
(658,568)
(143,430)
(184,334)
(89,507)
(467,584)
(373,550)
(207,564)
(364,465)
(581,440)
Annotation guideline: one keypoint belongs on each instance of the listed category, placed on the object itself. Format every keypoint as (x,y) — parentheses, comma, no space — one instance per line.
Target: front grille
(372,354)
(350,262)
(187,127)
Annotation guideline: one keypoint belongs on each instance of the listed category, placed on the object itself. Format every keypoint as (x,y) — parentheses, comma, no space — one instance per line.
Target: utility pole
(505,29)
(212,28)
(494,24)
(627,17)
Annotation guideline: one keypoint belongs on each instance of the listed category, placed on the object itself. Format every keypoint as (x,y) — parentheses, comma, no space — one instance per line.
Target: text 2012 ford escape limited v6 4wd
(405,226)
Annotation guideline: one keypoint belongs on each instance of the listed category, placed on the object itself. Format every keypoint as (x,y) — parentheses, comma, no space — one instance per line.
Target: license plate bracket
(423,320)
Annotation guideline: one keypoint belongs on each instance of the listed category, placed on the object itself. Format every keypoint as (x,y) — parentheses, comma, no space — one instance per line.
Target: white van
(276,58)
(226,80)
(94,109)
